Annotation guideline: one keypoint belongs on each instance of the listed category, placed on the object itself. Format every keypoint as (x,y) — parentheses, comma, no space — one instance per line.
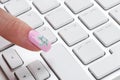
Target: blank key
(93,18)
(23,74)
(88,51)
(17,7)
(45,5)
(107,4)
(78,5)
(72,34)
(38,70)
(32,19)
(59,18)
(105,66)
(108,34)
(12,58)
(115,14)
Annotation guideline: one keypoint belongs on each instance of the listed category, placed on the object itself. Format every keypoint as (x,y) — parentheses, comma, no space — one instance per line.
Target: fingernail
(39,40)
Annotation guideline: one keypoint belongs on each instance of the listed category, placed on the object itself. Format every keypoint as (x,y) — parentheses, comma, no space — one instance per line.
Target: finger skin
(15,31)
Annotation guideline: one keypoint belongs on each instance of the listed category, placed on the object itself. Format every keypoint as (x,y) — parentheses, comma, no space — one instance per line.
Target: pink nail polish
(39,40)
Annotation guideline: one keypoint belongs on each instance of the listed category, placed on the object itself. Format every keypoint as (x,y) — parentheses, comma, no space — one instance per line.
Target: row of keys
(42,30)
(34,71)
(79,5)
(55,14)
(103,34)
(75,5)
(88,17)
(17,7)
(14,61)
(92,18)
(73,33)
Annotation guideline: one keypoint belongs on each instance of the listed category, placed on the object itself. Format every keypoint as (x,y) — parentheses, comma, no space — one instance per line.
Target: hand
(15,31)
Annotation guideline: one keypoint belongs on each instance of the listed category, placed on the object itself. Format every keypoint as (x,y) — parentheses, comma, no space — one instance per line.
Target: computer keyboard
(85,37)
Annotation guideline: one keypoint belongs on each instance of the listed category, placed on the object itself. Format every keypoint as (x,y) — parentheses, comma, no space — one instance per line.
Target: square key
(17,7)
(77,6)
(59,18)
(93,18)
(45,6)
(108,34)
(32,19)
(72,34)
(88,51)
(107,4)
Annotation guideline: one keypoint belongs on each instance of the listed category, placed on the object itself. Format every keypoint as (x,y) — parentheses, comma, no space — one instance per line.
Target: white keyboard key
(93,18)
(63,64)
(72,34)
(116,78)
(17,7)
(23,74)
(3,1)
(12,58)
(47,33)
(115,48)
(6,70)
(88,51)
(115,14)
(106,66)
(38,70)
(59,18)
(108,34)
(4,43)
(32,19)
(45,5)
(78,5)
(107,4)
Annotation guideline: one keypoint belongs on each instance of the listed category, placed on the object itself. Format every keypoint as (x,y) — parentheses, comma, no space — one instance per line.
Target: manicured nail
(39,40)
